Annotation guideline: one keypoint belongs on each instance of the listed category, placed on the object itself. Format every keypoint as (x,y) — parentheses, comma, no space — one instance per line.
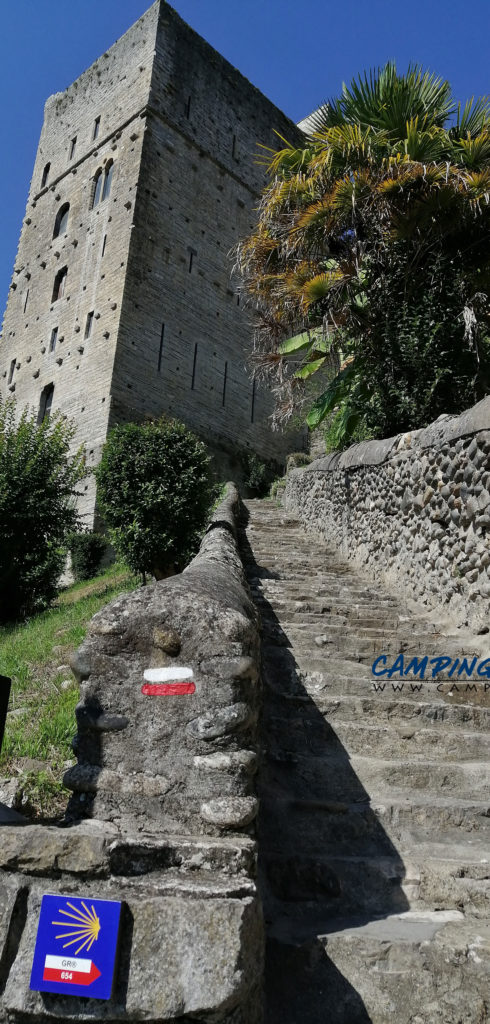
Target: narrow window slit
(194,367)
(253,402)
(89,324)
(225,377)
(160,351)
(26,300)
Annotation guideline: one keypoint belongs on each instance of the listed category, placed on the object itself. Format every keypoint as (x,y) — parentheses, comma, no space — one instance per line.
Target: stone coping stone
(374,453)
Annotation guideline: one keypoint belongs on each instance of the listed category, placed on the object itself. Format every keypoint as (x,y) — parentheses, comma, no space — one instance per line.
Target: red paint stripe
(167,689)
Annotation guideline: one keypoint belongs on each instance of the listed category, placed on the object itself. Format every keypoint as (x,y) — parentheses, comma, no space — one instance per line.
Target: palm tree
(371,256)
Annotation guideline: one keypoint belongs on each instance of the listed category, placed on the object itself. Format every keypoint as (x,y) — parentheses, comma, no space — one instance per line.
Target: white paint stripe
(173,674)
(68,963)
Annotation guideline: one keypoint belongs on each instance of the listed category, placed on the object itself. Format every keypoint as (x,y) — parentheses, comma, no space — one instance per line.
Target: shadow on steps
(324,858)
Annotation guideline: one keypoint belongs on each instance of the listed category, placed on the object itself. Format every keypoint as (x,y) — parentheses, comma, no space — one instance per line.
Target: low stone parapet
(162,813)
(413,510)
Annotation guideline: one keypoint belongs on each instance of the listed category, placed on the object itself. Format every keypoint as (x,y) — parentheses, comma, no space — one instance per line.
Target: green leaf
(306,371)
(326,402)
(300,342)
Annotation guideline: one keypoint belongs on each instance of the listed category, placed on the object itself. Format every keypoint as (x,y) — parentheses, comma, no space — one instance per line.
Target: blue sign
(76,946)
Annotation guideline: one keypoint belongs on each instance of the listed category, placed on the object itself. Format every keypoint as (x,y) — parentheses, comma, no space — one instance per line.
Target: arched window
(59,284)
(45,403)
(44,179)
(96,189)
(61,222)
(107,180)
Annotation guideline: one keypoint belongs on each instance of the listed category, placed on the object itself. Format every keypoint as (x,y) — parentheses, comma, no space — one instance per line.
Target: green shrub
(277,486)
(256,475)
(86,551)
(38,480)
(155,491)
(296,460)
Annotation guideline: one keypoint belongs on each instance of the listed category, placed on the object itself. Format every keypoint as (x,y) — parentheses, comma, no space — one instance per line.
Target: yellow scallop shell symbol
(84,929)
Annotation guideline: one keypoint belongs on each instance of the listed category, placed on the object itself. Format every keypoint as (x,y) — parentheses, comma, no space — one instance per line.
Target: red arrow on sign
(67,977)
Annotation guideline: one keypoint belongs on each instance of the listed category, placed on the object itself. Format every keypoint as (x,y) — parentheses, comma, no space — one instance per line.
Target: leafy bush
(86,551)
(369,268)
(277,487)
(256,474)
(154,491)
(38,480)
(296,460)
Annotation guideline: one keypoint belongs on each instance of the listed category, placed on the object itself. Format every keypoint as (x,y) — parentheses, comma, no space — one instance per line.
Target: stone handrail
(163,806)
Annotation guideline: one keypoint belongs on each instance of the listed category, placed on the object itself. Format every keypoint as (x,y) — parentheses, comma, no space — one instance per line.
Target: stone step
(404,740)
(398,712)
(419,967)
(381,827)
(303,670)
(428,876)
(340,777)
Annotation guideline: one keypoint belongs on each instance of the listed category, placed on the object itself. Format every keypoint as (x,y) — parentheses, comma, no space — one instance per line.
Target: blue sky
(297,53)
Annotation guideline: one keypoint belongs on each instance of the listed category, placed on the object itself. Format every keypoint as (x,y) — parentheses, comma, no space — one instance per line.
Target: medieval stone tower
(122,303)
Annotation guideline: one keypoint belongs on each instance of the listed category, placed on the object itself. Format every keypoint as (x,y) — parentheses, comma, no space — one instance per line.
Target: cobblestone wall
(414,509)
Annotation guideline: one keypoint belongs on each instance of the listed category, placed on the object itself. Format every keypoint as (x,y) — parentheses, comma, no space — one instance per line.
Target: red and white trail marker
(70,970)
(171,681)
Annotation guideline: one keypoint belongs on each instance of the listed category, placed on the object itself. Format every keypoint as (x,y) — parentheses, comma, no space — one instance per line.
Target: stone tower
(122,303)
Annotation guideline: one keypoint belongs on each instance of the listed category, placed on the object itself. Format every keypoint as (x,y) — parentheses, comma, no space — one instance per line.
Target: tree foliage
(38,480)
(370,265)
(155,492)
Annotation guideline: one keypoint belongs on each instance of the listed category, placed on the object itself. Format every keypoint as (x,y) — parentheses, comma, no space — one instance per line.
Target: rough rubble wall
(166,784)
(414,509)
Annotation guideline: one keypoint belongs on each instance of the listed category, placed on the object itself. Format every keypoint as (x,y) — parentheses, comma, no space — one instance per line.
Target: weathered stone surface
(230,812)
(246,759)
(220,722)
(180,958)
(43,850)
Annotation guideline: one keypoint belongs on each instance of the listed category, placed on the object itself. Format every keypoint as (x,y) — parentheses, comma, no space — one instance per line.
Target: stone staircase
(374,831)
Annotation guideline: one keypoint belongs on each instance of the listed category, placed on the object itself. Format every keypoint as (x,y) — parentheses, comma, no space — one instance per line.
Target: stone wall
(412,509)
(152,260)
(163,807)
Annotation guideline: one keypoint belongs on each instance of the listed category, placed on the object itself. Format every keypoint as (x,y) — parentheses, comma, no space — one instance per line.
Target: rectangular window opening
(12,371)
(53,339)
(104,244)
(252,412)
(225,377)
(160,351)
(96,127)
(194,361)
(26,300)
(45,403)
(73,146)
(188,107)
(233,148)
(89,323)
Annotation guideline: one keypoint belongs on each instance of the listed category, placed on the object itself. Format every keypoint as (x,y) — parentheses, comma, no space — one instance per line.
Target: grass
(41,720)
